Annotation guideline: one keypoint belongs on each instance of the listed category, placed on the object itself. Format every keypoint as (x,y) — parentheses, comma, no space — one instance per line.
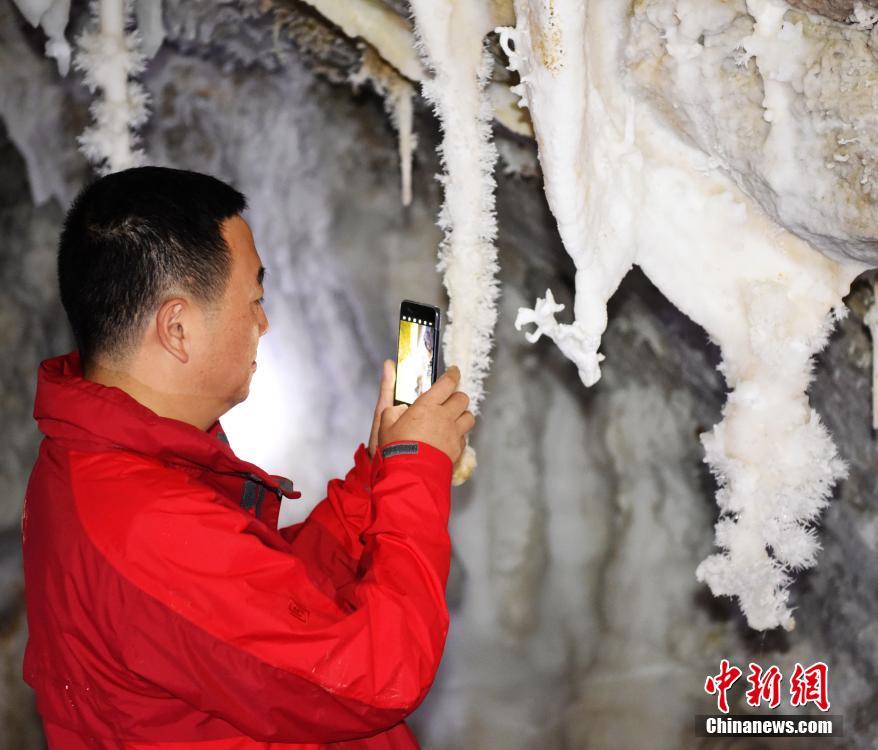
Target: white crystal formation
(626,188)
(52,17)
(451,38)
(109,58)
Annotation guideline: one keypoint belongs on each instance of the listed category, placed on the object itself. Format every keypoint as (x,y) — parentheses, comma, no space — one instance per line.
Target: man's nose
(263,321)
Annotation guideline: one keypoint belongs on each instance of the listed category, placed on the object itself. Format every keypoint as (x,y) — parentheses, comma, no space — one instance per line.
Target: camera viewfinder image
(414,360)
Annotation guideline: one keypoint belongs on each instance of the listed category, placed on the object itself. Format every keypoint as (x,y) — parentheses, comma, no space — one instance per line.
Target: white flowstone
(626,189)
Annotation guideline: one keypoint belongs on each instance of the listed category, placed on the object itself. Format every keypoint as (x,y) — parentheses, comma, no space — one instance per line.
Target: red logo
(807,685)
(719,684)
(810,685)
(764,686)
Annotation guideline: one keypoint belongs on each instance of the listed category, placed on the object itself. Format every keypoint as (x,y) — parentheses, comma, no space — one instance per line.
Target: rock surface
(808,154)
(837,10)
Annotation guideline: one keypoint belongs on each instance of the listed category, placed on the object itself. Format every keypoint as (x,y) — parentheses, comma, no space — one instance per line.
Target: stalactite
(150,26)
(549,68)
(109,58)
(52,16)
(398,94)
(451,38)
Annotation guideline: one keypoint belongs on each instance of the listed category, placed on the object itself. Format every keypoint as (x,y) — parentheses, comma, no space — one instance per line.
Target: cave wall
(576,618)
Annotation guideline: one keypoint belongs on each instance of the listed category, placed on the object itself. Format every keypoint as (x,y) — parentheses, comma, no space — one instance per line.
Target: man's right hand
(438,417)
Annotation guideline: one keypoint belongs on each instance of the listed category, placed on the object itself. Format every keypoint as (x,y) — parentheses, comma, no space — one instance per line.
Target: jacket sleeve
(223,618)
(330,538)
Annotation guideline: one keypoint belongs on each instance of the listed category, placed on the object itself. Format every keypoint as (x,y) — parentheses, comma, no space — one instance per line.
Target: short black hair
(130,238)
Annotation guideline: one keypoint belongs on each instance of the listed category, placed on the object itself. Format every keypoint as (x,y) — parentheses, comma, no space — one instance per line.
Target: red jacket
(165,609)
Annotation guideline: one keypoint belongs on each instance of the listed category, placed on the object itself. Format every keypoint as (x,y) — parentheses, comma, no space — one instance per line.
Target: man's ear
(171,328)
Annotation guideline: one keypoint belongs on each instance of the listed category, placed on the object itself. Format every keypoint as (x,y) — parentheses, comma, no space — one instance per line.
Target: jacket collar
(69,407)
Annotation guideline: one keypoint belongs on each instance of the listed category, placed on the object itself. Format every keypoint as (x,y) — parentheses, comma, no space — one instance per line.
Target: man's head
(161,282)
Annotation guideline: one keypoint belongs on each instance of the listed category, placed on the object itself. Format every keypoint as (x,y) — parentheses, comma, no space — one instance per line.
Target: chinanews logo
(807,687)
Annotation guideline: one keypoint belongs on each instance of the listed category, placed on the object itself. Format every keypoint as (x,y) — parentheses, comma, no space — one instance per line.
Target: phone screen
(416,356)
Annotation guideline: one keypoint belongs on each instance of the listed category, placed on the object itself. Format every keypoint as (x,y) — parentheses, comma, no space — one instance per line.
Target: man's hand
(438,417)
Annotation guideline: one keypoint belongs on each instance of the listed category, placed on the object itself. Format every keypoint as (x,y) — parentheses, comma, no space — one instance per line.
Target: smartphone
(417,355)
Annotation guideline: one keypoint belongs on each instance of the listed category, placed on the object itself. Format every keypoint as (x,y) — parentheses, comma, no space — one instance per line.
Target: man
(165,609)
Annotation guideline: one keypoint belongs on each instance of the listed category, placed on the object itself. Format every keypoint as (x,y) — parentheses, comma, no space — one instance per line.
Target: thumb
(388,381)
(385,400)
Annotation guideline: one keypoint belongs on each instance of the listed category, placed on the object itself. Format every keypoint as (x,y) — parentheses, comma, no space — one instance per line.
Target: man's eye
(261,300)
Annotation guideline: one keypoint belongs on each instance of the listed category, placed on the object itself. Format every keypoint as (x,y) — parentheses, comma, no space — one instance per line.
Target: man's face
(228,354)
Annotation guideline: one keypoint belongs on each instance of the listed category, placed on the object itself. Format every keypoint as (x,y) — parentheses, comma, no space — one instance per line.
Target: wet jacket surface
(165,609)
